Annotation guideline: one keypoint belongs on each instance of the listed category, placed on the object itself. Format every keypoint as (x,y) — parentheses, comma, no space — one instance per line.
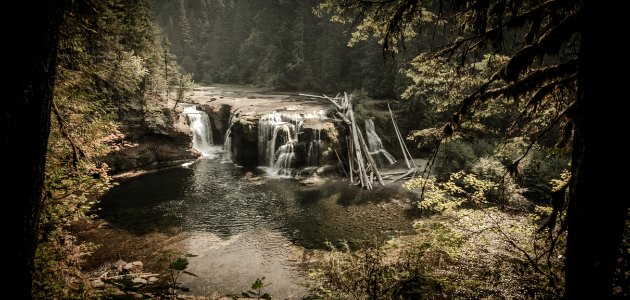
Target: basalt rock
(148,136)
(298,129)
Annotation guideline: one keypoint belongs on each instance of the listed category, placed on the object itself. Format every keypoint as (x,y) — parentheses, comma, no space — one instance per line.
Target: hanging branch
(76,150)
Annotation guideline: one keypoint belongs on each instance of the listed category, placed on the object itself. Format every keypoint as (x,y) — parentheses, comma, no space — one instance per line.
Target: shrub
(376,272)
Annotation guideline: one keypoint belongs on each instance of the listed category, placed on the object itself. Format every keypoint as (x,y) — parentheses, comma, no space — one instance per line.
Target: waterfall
(227,144)
(285,157)
(200,127)
(279,138)
(276,135)
(313,155)
(314,148)
(375,146)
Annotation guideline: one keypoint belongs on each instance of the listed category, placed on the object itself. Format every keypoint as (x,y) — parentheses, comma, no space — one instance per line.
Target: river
(242,225)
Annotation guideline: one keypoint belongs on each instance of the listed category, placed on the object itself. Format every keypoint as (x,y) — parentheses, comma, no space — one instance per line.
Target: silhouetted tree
(25,126)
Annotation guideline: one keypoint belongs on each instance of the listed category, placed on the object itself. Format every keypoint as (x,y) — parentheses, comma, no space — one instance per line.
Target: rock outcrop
(284,133)
(149,136)
(300,124)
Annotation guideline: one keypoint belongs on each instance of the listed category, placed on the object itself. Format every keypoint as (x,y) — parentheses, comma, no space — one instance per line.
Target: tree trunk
(597,207)
(24,126)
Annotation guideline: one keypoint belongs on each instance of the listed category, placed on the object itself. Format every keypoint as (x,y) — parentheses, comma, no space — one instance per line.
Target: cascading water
(200,127)
(282,130)
(227,144)
(375,145)
(313,157)
(278,139)
(314,148)
(284,159)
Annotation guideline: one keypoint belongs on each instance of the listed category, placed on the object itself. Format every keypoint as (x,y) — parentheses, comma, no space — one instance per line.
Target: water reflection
(232,265)
(244,226)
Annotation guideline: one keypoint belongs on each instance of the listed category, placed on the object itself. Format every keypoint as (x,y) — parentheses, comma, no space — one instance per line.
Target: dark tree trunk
(598,205)
(24,127)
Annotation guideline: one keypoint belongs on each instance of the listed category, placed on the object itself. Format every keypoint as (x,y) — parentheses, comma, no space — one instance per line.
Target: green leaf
(258,284)
(266,296)
(179,264)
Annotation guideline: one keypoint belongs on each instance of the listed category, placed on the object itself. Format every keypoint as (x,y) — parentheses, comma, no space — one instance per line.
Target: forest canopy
(501,97)
(279,44)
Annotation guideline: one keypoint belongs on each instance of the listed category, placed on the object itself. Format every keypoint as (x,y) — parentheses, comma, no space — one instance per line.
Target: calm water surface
(242,226)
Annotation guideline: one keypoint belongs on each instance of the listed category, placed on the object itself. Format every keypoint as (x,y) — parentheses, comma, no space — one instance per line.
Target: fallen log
(412,170)
(403,146)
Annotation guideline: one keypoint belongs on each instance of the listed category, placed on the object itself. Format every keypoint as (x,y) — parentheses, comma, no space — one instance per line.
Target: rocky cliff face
(150,134)
(280,131)
(285,134)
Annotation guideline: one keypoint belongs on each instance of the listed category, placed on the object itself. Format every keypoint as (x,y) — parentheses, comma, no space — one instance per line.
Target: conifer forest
(315,149)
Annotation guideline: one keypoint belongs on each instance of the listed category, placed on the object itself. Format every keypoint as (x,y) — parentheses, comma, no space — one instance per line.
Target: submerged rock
(327,170)
(313,180)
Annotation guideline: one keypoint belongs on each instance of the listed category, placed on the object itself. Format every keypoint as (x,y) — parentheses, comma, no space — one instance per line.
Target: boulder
(119,265)
(139,280)
(133,267)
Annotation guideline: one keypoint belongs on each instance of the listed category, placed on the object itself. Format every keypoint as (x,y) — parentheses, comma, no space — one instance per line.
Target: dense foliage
(111,55)
(514,111)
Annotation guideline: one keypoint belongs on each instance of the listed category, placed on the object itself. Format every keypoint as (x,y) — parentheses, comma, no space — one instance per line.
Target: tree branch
(76,150)
(539,95)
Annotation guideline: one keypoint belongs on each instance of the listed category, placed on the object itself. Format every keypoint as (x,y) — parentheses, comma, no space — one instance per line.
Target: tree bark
(597,207)
(25,124)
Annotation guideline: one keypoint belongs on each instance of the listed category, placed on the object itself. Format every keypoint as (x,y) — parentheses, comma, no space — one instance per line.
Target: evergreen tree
(280,44)
(262,55)
(331,62)
(303,37)
(222,48)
